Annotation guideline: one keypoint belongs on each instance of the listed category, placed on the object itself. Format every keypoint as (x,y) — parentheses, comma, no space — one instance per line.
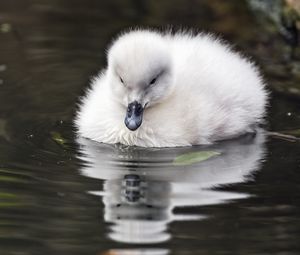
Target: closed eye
(153,81)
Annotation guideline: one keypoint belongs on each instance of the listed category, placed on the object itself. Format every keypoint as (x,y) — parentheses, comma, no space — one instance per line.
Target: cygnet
(172,89)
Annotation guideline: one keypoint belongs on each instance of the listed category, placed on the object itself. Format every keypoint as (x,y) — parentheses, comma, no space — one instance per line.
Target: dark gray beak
(134,116)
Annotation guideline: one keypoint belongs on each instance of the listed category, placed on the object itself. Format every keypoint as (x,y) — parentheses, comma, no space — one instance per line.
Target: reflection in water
(142,187)
(49,55)
(137,252)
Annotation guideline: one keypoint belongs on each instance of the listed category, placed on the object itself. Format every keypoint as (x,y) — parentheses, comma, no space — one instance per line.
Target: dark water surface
(63,195)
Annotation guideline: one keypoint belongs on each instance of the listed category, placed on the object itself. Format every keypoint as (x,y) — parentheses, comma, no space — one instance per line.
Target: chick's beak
(134,116)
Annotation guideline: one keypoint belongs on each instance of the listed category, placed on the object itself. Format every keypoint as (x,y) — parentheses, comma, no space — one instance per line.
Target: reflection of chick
(142,188)
(174,90)
(142,251)
(140,211)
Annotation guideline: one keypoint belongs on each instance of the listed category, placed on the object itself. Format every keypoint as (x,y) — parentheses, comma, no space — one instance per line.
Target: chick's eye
(121,80)
(153,81)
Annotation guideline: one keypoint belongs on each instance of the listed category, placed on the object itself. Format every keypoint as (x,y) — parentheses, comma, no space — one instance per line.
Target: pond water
(60,194)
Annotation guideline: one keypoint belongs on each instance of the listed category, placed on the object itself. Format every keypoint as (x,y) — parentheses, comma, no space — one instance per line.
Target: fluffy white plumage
(194,90)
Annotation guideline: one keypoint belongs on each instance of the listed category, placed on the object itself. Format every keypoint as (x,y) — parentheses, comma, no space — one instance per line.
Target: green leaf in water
(58,138)
(4,178)
(5,27)
(9,200)
(194,157)
(10,204)
(7,195)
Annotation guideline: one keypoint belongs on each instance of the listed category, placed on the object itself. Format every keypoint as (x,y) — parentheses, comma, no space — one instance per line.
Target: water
(64,195)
